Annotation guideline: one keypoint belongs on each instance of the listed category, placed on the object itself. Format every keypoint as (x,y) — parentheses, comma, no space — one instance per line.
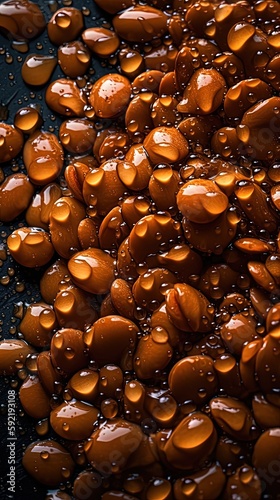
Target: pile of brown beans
(167,215)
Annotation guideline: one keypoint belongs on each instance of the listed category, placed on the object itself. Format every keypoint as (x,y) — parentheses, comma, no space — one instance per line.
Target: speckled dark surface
(13,89)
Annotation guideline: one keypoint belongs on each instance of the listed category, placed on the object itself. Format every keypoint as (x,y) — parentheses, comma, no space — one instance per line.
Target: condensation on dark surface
(23,284)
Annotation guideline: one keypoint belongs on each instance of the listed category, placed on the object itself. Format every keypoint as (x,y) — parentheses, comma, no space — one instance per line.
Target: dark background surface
(11,299)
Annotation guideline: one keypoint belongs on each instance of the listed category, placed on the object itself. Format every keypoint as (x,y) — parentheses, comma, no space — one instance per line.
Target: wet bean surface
(139,252)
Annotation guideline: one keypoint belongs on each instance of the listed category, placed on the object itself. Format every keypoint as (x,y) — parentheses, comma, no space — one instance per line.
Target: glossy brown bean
(238,331)
(11,142)
(92,270)
(201,201)
(66,98)
(142,242)
(189,309)
(187,448)
(111,331)
(43,157)
(50,281)
(140,23)
(38,212)
(65,216)
(209,483)
(153,354)
(37,69)
(110,95)
(50,377)
(101,41)
(74,58)
(104,178)
(30,391)
(48,462)
(83,385)
(68,351)
(128,439)
(65,25)
(74,420)
(266,458)
(23,21)
(150,288)
(110,381)
(77,135)
(38,324)
(15,195)
(13,353)
(246,481)
(234,418)
(122,298)
(73,308)
(30,247)
(267,367)
(204,93)
(166,145)
(199,388)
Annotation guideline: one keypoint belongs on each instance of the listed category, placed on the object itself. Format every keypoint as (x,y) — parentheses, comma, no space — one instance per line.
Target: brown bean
(13,353)
(38,212)
(92,270)
(204,92)
(23,21)
(188,309)
(74,420)
(111,340)
(110,381)
(116,445)
(140,23)
(245,481)
(74,58)
(191,442)
(50,281)
(104,179)
(267,366)
(50,378)
(266,459)
(37,69)
(43,157)
(11,142)
(30,391)
(65,216)
(101,41)
(66,98)
(74,308)
(110,95)
(239,331)
(266,414)
(142,241)
(68,351)
(228,375)
(15,195)
(38,324)
(209,483)
(30,247)
(83,385)
(234,418)
(201,201)
(166,145)
(150,288)
(201,379)
(65,25)
(77,135)
(153,354)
